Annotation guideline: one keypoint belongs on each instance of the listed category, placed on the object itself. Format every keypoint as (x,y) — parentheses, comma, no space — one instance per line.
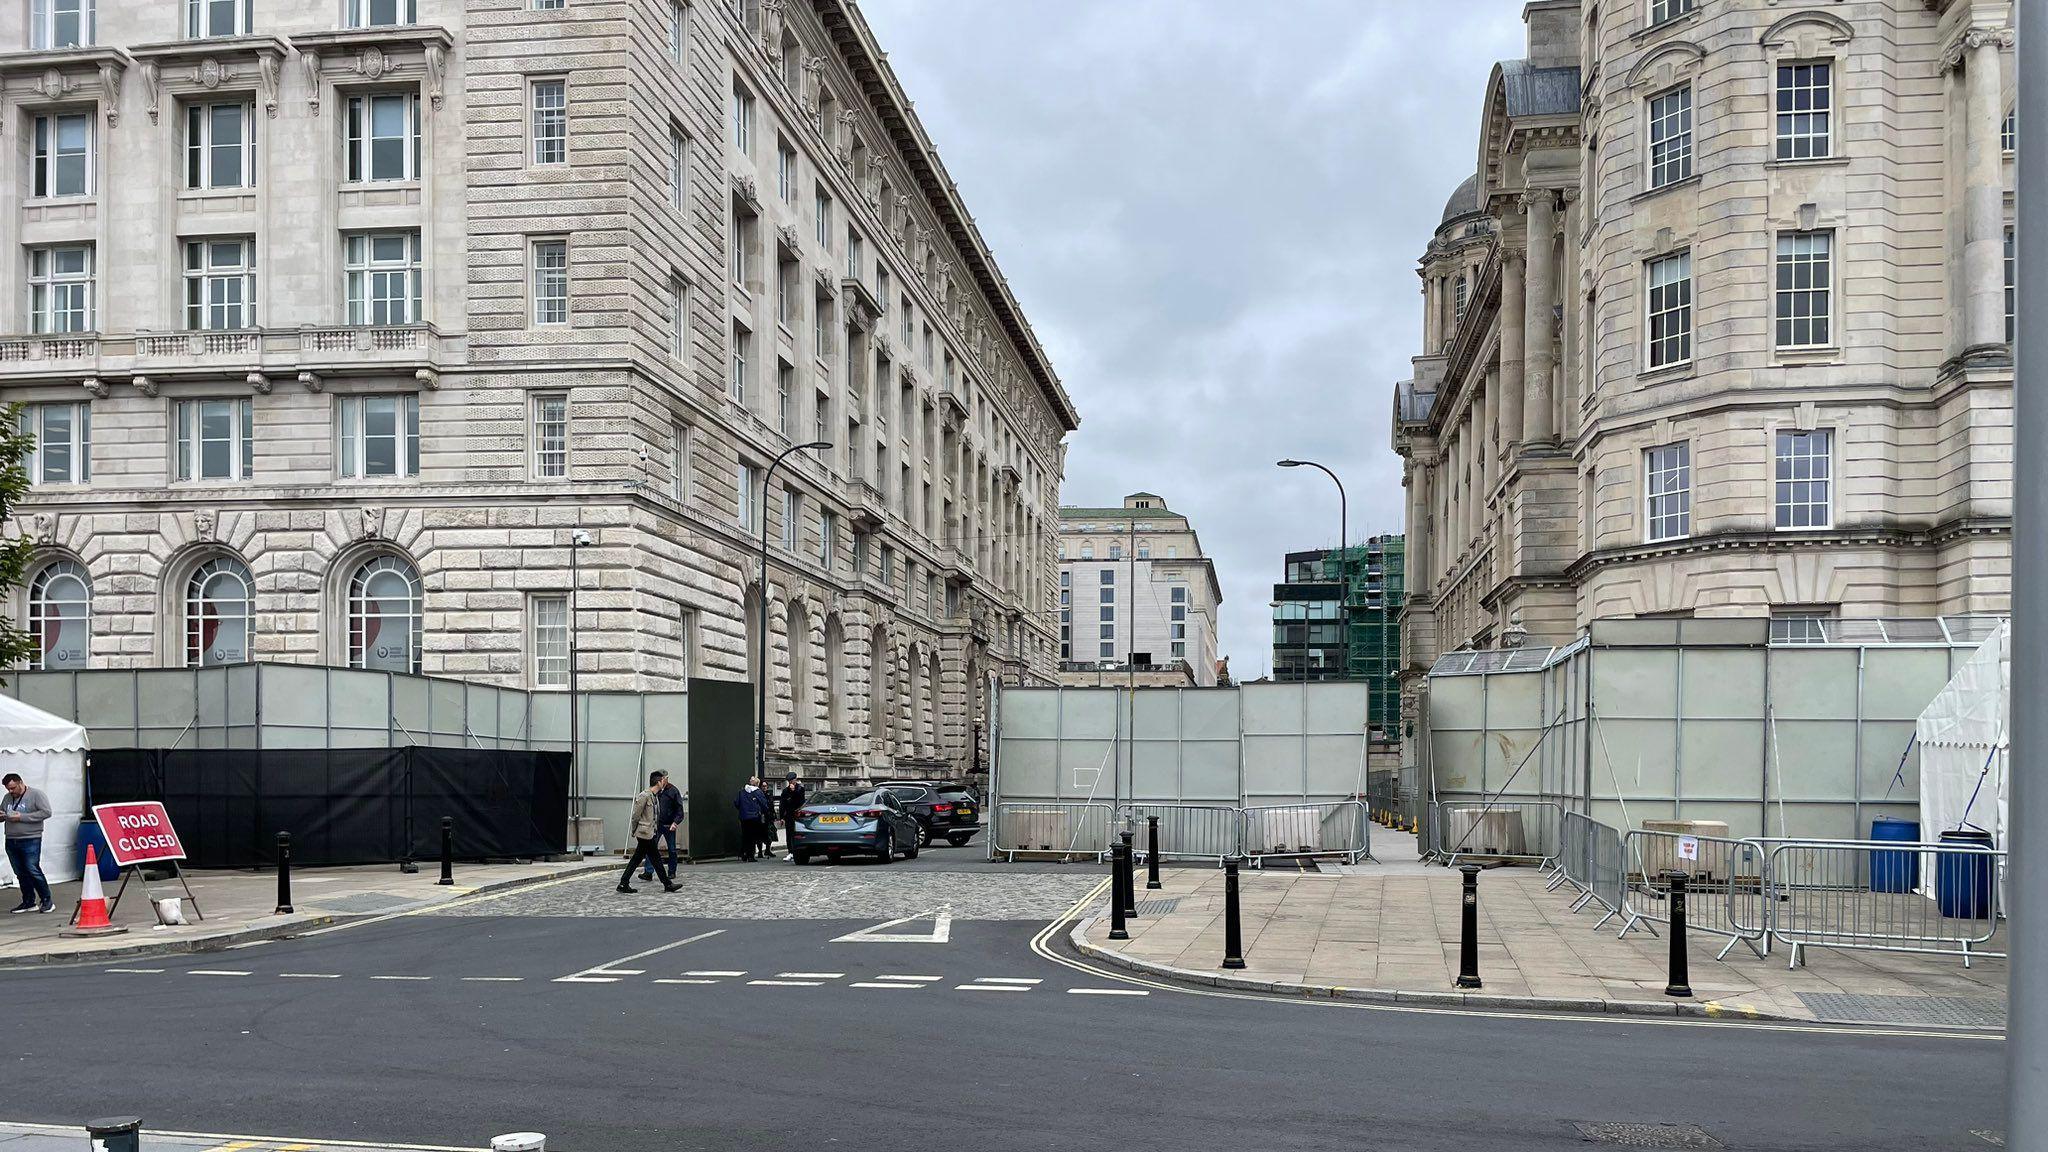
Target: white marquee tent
(1965,745)
(49,752)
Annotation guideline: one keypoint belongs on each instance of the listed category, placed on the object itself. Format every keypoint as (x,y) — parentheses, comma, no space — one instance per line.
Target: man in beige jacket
(645,823)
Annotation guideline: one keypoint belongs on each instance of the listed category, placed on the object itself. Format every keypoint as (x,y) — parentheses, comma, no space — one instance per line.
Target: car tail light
(942,807)
(870,813)
(805,813)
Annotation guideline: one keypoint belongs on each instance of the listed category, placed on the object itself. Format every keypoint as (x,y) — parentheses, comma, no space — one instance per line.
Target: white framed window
(736,382)
(743,121)
(1179,649)
(64,143)
(60,289)
(1668,309)
(678,168)
(1105,631)
(384,616)
(1667,487)
(785,398)
(220,284)
(378,436)
(209,18)
(821,419)
(548,120)
(1662,11)
(60,617)
(2009,132)
(220,145)
(218,605)
(216,439)
(63,23)
(551,281)
(743,246)
(549,615)
(547,5)
(785,293)
(678,29)
(828,538)
(680,462)
(679,318)
(381,137)
(785,171)
(1796,627)
(821,212)
(551,436)
(1106,613)
(63,434)
(2011,286)
(382,13)
(1670,118)
(746,483)
(1805,104)
(792,518)
(909,315)
(1804,289)
(856,258)
(1107,650)
(384,278)
(1804,479)
(1461,291)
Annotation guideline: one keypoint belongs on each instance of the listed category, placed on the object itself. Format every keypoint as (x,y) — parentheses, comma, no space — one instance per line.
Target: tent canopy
(49,753)
(24,728)
(1965,744)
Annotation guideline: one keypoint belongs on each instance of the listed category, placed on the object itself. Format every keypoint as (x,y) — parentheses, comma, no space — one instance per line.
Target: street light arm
(761,640)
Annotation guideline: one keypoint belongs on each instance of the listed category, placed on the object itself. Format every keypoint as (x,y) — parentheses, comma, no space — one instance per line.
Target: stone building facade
(1720,325)
(340,323)
(1135,582)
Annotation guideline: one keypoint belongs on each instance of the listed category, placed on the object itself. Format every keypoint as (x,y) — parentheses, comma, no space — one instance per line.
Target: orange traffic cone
(91,917)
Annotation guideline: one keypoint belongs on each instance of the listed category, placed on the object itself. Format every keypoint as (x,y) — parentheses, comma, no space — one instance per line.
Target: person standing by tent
(25,809)
(790,801)
(645,822)
(667,818)
(755,811)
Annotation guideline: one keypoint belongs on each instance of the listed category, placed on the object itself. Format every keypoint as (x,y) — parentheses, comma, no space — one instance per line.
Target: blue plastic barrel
(1963,879)
(1894,871)
(89,833)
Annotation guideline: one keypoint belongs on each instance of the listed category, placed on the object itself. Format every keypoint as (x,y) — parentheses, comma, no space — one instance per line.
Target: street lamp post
(578,541)
(1343,554)
(761,638)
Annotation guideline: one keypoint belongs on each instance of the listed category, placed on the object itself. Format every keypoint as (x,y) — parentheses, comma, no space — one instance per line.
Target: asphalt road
(446,1029)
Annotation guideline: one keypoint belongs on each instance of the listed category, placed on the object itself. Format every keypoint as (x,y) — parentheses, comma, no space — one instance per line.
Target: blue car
(839,822)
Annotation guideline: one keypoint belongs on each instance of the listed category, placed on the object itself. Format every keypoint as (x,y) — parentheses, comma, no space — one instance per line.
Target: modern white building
(1138,599)
(339,322)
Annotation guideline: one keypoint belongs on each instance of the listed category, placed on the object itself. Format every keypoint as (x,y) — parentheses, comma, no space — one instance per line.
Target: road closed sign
(138,833)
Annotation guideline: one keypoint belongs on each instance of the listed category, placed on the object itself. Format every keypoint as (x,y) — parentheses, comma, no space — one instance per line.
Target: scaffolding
(1373,575)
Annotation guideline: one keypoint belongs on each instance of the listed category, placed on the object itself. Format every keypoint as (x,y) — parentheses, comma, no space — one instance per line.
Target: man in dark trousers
(644,823)
(668,817)
(791,801)
(755,811)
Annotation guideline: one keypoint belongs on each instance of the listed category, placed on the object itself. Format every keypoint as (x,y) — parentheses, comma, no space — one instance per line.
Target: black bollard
(1116,893)
(447,850)
(116,1134)
(1468,937)
(284,873)
(1233,929)
(1130,877)
(1152,883)
(1681,979)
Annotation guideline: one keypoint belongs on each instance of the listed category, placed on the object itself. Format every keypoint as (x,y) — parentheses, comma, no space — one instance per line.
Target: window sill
(1661,189)
(59,201)
(375,481)
(1818,357)
(1652,31)
(1809,162)
(1666,373)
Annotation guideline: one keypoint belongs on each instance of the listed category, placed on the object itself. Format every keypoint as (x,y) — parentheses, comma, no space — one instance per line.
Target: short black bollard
(1152,883)
(447,850)
(1681,978)
(1116,893)
(1468,933)
(284,873)
(115,1134)
(1130,877)
(1233,928)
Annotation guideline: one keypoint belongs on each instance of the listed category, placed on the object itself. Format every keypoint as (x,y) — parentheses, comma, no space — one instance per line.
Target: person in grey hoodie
(24,809)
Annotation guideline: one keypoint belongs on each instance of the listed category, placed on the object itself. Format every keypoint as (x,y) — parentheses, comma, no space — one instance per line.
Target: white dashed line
(894,976)
(309,975)
(788,983)
(401,977)
(216,972)
(990,988)
(1107,992)
(492,979)
(880,984)
(710,973)
(139,971)
(1005,980)
(586,980)
(685,980)
(811,975)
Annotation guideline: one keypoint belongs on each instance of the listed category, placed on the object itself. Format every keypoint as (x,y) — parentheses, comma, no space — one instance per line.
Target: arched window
(218,599)
(878,691)
(931,695)
(384,616)
(835,674)
(60,616)
(799,630)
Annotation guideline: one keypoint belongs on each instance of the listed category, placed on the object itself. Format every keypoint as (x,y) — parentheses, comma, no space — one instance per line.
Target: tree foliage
(16,551)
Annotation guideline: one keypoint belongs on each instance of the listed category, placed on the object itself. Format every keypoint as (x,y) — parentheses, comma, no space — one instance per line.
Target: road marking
(811,975)
(71,1130)
(309,975)
(139,971)
(1005,980)
(941,933)
(234,1146)
(684,980)
(493,979)
(711,972)
(216,972)
(893,976)
(879,984)
(990,988)
(608,972)
(401,977)
(789,983)
(1107,992)
(248,944)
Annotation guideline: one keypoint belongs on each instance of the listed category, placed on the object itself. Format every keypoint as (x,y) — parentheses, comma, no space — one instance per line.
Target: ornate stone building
(340,322)
(1720,325)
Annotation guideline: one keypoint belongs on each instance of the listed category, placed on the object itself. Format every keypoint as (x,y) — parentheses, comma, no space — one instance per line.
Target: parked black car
(944,810)
(861,821)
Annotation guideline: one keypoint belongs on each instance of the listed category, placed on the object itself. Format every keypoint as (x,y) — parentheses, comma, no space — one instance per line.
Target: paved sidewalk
(241,906)
(1391,930)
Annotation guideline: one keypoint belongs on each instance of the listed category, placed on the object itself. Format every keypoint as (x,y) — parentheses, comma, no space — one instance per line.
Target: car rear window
(956,794)
(843,796)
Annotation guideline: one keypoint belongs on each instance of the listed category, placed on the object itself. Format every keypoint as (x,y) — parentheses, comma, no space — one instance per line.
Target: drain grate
(1158,907)
(1954,1011)
(1646,1135)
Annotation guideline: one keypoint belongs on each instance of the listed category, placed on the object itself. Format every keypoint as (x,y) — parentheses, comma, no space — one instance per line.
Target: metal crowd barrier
(1724,885)
(1065,828)
(1339,829)
(1526,831)
(1590,859)
(1885,896)
(1188,831)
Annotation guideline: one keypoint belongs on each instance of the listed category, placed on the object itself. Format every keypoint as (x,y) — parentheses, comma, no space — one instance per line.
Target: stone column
(1512,318)
(1984,192)
(1541,301)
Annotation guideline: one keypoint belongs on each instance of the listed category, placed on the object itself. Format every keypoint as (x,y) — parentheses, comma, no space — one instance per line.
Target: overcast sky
(1211,212)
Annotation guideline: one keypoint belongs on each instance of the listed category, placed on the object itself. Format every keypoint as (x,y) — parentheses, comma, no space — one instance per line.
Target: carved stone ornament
(110,93)
(204,524)
(258,383)
(152,92)
(437,72)
(95,387)
(266,74)
(44,527)
(372,522)
(743,186)
(372,62)
(310,61)
(145,385)
(208,73)
(55,85)
(771,27)
(824,278)
(311,381)
(813,82)
(847,119)
(790,237)
(1961,46)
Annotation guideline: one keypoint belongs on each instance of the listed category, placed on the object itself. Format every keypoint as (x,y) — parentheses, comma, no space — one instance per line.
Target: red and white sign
(138,833)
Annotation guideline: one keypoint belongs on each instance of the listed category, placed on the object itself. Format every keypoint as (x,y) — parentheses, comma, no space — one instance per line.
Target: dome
(1463,202)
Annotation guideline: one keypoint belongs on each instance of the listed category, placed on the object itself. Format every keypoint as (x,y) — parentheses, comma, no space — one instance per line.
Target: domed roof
(1463,202)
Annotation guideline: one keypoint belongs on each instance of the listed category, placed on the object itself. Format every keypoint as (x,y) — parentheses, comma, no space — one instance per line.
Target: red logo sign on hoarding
(138,833)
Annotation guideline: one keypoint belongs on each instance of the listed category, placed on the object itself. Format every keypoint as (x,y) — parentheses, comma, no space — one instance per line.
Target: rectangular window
(220,146)
(550,282)
(785,172)
(63,450)
(60,289)
(1105,631)
(821,417)
(785,398)
(1667,473)
(1180,631)
(550,121)
(1805,289)
(743,121)
(908,313)
(62,23)
(382,135)
(1107,650)
(1665,10)
(679,319)
(1180,649)
(2011,287)
(745,480)
(1669,309)
(678,168)
(1670,114)
(736,384)
(1805,110)
(550,641)
(785,293)
(63,155)
(888,565)
(379,436)
(220,284)
(679,462)
(214,439)
(547,5)
(1804,476)
(828,538)
(1799,627)
(822,210)
(1179,595)
(742,254)
(384,278)
(382,13)
(678,29)
(1116,551)
(1106,612)
(551,436)
(855,258)
(792,518)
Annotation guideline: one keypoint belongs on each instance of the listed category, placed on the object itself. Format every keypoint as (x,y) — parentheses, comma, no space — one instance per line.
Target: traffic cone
(91,917)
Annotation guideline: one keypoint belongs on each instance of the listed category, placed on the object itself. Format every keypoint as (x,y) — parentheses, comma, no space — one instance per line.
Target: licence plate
(835,819)
(966,813)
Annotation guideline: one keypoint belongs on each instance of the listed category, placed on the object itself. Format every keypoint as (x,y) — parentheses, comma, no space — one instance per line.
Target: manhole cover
(361,902)
(1955,1011)
(1647,1135)
(1157,907)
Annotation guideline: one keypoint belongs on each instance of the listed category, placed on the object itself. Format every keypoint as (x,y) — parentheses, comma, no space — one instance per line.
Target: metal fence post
(1152,883)
(447,850)
(1468,936)
(1116,894)
(284,873)
(115,1134)
(1680,983)
(1233,928)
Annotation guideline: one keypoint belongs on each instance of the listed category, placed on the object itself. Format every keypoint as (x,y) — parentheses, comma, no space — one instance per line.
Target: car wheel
(924,836)
(887,851)
(911,852)
(958,841)
(799,858)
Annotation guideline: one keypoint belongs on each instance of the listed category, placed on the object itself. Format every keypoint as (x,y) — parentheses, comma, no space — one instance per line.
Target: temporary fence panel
(1338,829)
(1492,828)
(1063,828)
(1724,884)
(1184,747)
(1860,894)
(1303,740)
(1188,831)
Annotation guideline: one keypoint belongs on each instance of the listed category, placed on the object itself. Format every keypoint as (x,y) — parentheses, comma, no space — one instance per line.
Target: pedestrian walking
(25,809)
(791,801)
(668,818)
(646,821)
(755,810)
